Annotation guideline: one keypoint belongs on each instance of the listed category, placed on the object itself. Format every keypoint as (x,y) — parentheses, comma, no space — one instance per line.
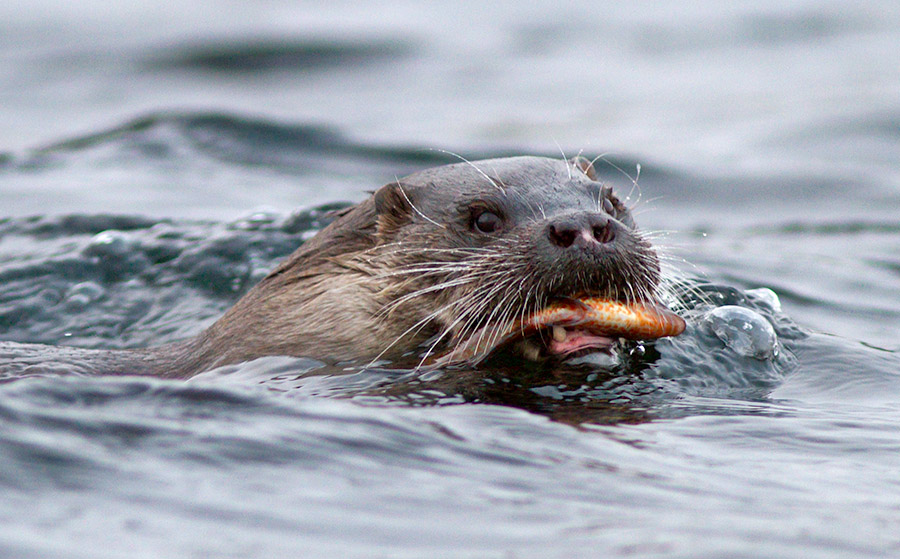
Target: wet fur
(404,270)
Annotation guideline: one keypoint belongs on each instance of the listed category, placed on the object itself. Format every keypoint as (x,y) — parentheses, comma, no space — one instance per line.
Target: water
(154,163)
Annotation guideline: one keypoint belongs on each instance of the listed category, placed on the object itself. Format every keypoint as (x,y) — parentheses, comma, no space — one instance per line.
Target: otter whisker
(415,328)
(642,206)
(500,325)
(416,248)
(428,271)
(633,180)
(497,183)
(523,312)
(565,159)
(470,310)
(527,202)
(490,319)
(449,329)
(487,292)
(387,309)
(413,206)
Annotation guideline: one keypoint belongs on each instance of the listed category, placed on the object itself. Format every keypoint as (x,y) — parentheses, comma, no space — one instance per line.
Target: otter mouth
(565,341)
(570,327)
(559,341)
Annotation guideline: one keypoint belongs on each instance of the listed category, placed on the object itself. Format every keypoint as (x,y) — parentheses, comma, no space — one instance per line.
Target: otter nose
(587,230)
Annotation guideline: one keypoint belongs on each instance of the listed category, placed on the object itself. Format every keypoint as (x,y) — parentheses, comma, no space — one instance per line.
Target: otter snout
(591,231)
(588,251)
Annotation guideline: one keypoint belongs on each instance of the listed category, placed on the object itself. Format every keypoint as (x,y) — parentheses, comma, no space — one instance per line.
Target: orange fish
(634,321)
(575,324)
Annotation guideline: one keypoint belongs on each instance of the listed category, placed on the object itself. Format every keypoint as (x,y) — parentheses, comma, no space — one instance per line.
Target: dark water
(155,163)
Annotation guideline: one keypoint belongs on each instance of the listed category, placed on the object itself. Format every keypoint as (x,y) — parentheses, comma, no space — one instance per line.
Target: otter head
(448,264)
(518,252)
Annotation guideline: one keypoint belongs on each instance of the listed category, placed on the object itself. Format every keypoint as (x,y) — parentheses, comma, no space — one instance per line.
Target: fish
(633,321)
(576,324)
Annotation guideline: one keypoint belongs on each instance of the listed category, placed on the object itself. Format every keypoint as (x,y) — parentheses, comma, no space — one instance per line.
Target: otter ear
(585,166)
(393,207)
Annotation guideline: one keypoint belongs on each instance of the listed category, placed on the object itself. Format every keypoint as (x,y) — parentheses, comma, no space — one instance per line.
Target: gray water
(156,161)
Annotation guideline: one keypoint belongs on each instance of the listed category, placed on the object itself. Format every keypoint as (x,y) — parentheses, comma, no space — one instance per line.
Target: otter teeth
(559,333)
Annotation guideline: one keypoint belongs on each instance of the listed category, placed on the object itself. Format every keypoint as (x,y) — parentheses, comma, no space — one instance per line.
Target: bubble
(746,332)
(766,297)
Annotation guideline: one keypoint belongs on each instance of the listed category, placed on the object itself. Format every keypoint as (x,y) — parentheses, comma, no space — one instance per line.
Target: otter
(443,267)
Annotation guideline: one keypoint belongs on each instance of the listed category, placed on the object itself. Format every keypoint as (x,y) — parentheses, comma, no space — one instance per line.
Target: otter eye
(488,222)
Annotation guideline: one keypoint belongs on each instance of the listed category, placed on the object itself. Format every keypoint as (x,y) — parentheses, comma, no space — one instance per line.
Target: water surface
(156,163)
